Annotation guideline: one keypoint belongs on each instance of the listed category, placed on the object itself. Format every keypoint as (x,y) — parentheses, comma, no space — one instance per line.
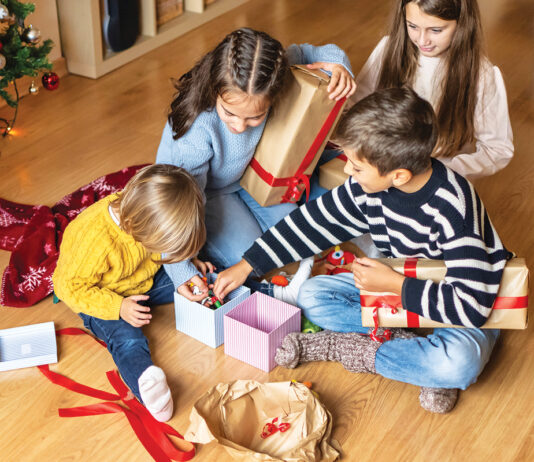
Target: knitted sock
(355,351)
(290,292)
(155,393)
(438,400)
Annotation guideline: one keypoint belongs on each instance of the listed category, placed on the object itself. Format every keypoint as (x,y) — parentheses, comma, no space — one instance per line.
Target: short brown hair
(391,128)
(162,207)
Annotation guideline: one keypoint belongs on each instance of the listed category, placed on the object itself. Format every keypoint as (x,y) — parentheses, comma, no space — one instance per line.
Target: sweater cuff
(181,272)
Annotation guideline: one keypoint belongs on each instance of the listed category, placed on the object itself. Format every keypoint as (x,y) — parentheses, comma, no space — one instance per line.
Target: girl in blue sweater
(215,122)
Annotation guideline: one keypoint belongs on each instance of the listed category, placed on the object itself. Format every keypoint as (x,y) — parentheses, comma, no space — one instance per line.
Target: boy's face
(366,174)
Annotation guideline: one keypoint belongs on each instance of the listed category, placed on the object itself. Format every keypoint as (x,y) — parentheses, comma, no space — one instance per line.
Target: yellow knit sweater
(99,264)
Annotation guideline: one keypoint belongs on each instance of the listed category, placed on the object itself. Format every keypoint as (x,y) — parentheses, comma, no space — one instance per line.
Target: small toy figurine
(339,258)
(211,301)
(309,327)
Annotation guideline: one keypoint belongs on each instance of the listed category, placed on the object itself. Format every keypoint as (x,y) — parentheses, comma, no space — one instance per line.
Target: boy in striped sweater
(412,206)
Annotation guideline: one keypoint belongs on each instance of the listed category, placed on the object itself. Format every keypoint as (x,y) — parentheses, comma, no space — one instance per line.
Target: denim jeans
(448,358)
(233,222)
(127,344)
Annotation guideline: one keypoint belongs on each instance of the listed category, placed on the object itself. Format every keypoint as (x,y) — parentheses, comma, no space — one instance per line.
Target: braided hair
(246,60)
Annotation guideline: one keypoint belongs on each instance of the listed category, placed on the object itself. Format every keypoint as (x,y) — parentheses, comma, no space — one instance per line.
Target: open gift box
(255,328)
(202,322)
(509,310)
(332,174)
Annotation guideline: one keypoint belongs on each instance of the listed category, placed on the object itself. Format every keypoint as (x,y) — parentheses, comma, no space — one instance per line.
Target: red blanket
(33,234)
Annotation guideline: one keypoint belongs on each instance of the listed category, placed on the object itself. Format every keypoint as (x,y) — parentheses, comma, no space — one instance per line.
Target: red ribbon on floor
(300,182)
(154,435)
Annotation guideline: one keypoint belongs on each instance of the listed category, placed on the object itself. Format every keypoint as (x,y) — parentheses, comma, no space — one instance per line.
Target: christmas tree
(20,54)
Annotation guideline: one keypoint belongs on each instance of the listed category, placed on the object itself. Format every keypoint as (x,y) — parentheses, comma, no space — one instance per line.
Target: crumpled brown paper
(234,414)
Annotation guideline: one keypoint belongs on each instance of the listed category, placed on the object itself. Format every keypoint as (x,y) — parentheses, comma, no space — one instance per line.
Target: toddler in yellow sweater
(110,268)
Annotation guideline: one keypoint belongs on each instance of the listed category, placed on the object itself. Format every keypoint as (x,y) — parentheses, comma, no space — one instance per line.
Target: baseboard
(23,84)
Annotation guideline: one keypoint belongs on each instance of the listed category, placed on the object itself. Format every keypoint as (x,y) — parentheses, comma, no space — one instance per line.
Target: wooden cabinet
(80,24)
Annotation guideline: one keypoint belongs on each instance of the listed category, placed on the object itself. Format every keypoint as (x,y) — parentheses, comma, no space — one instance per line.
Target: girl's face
(430,34)
(240,111)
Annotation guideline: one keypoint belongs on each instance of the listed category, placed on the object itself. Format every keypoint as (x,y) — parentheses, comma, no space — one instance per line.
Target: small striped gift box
(203,323)
(255,328)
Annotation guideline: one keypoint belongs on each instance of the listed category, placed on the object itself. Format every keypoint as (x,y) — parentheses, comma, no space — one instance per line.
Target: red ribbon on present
(152,434)
(271,428)
(300,182)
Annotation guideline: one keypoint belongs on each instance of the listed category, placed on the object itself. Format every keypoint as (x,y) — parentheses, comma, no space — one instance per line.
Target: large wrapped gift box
(293,139)
(332,174)
(255,328)
(206,323)
(509,310)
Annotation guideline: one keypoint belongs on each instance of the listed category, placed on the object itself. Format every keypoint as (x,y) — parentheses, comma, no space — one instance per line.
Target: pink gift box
(255,328)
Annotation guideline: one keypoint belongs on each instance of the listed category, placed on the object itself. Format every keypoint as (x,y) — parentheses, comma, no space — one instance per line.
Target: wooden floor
(65,139)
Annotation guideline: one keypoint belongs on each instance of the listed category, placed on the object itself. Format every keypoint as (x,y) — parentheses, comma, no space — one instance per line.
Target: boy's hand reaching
(133,313)
(231,279)
(341,82)
(187,289)
(203,266)
(374,276)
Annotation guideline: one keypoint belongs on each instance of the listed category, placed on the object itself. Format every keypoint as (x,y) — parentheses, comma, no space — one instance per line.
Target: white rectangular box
(203,323)
(28,346)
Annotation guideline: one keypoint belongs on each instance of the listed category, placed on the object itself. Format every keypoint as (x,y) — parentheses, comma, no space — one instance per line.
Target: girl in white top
(435,46)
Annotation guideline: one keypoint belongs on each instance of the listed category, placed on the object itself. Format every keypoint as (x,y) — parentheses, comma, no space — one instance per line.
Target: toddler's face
(430,34)
(366,174)
(240,111)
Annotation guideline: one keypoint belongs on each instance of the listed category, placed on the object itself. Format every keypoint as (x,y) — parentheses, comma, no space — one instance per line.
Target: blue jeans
(233,222)
(448,358)
(127,344)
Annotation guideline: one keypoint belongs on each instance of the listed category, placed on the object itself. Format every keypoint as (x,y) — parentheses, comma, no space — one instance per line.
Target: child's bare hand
(133,313)
(187,289)
(341,82)
(231,279)
(204,266)
(374,276)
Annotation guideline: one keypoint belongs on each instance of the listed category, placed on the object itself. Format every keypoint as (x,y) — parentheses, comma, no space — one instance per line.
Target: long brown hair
(456,105)
(245,60)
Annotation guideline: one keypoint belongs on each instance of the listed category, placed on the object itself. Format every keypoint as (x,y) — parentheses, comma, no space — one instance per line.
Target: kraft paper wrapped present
(28,346)
(236,414)
(331,174)
(294,137)
(509,311)
(255,328)
(203,323)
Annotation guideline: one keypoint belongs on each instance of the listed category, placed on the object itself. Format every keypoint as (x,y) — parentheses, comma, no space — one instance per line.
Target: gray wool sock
(438,400)
(355,351)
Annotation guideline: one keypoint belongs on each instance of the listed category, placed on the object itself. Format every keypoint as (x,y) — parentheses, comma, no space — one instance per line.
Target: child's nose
(423,38)
(240,126)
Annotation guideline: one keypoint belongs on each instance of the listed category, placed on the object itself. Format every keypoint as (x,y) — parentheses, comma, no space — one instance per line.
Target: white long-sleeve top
(494,146)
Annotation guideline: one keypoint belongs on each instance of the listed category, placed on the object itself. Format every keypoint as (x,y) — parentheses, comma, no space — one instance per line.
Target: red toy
(339,257)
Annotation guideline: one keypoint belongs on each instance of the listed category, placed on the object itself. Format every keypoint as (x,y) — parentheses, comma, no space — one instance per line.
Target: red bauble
(50,81)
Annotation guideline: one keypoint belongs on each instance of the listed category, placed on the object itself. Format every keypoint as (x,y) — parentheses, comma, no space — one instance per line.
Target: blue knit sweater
(444,220)
(218,158)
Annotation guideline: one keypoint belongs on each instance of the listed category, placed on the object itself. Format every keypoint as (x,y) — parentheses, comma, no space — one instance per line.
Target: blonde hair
(162,208)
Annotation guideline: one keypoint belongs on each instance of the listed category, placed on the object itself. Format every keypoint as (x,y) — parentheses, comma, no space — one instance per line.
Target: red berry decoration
(50,81)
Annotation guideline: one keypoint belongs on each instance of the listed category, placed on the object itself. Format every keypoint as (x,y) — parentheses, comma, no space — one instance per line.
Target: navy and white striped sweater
(444,220)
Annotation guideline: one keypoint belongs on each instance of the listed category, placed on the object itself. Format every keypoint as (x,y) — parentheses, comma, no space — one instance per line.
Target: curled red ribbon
(271,428)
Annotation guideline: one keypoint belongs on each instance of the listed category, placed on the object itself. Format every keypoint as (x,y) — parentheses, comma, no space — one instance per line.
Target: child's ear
(401,176)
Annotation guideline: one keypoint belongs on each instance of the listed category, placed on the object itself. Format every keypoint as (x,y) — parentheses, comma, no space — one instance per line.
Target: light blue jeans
(448,358)
(233,222)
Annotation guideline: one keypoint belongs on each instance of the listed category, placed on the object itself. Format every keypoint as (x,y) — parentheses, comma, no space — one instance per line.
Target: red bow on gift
(271,428)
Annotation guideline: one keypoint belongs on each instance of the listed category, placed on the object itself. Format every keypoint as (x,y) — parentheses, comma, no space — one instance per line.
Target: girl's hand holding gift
(374,276)
(341,82)
(133,313)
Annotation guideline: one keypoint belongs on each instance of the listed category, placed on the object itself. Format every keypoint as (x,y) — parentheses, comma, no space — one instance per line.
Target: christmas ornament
(50,81)
(4,13)
(31,34)
(2,61)
(34,89)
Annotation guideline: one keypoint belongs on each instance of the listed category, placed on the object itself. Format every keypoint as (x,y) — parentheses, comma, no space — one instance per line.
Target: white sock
(290,292)
(155,393)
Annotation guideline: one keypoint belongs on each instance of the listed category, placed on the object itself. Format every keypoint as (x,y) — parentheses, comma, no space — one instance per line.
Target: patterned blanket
(32,233)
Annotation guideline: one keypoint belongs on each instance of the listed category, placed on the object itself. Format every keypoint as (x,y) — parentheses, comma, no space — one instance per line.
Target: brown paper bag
(510,310)
(293,139)
(235,414)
